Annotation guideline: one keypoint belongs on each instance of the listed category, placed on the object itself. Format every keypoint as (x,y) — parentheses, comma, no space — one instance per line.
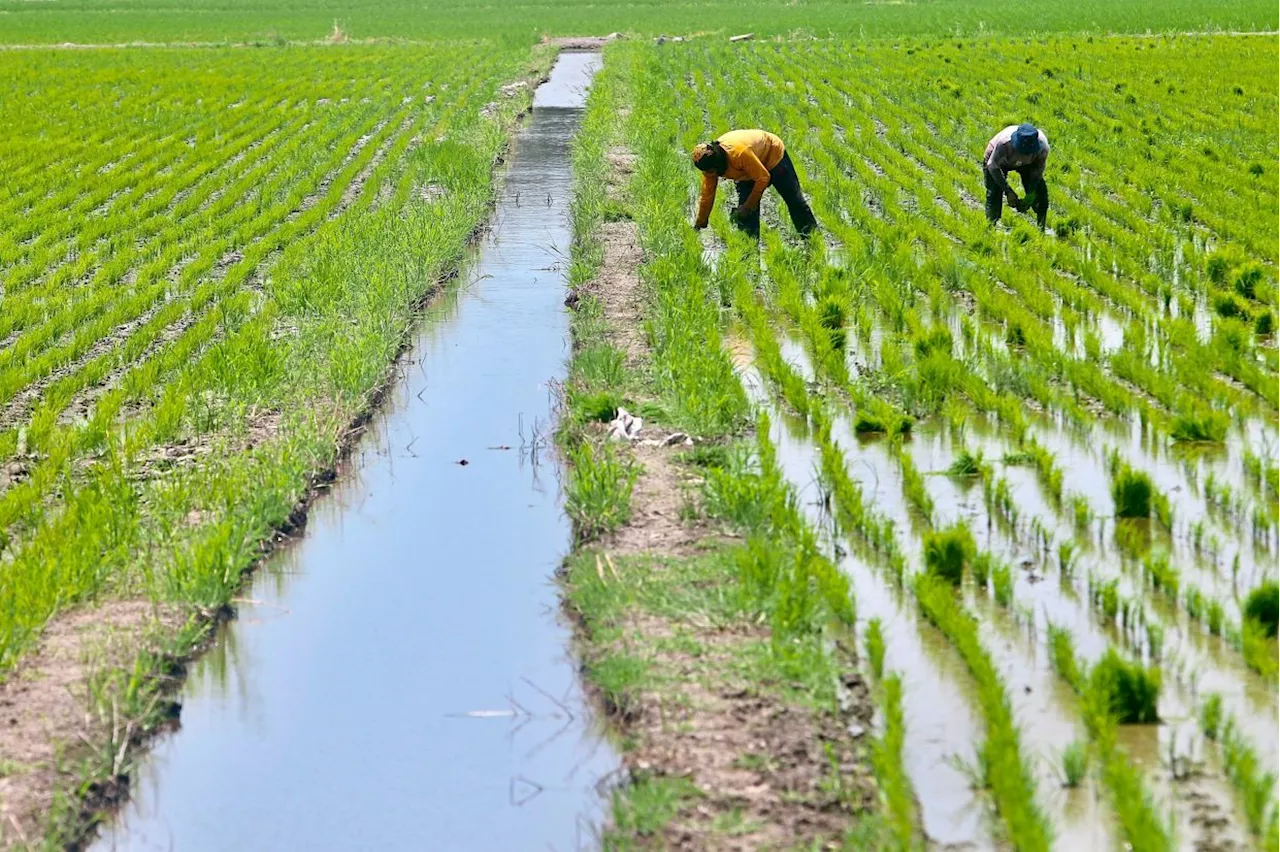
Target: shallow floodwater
(938,700)
(399,677)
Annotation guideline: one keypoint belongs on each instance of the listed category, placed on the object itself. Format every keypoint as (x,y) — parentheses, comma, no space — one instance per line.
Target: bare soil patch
(581,42)
(658,500)
(618,286)
(752,755)
(46,706)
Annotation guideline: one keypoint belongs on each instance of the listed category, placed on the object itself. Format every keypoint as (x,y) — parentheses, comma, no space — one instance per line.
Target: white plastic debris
(625,426)
(677,438)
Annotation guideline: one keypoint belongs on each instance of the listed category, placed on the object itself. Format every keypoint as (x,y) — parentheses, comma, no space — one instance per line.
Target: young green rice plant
(1162,576)
(1262,607)
(1131,691)
(1211,715)
(1264,324)
(1002,584)
(1201,427)
(1255,787)
(1067,549)
(1246,279)
(1081,512)
(868,421)
(1131,492)
(999,499)
(1003,765)
(1155,638)
(1194,602)
(886,758)
(1214,618)
(875,648)
(1141,823)
(1075,763)
(833,317)
(967,464)
(983,561)
(947,552)
(1106,597)
(913,487)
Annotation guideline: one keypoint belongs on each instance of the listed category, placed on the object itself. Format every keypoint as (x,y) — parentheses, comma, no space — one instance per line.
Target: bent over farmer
(1023,149)
(754,160)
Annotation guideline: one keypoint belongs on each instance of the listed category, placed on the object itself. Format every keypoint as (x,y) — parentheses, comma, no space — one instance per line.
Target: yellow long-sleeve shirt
(751,153)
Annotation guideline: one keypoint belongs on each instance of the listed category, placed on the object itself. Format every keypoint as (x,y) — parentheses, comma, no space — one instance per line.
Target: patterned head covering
(704,155)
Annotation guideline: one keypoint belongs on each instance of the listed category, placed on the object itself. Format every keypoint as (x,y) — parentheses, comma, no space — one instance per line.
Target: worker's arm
(707,200)
(996,170)
(755,170)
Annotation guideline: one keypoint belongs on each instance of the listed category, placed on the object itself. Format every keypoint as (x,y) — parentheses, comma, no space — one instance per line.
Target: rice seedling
(1067,550)
(1262,606)
(1131,492)
(1003,767)
(1211,715)
(947,552)
(981,566)
(1205,426)
(874,643)
(1131,692)
(967,464)
(1214,618)
(1002,584)
(1075,764)
(886,757)
(1106,597)
(1162,576)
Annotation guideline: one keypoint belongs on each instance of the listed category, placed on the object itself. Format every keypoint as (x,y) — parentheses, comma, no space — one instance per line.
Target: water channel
(400,677)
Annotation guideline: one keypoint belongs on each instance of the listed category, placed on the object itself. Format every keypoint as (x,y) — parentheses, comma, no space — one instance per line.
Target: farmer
(1023,149)
(753,159)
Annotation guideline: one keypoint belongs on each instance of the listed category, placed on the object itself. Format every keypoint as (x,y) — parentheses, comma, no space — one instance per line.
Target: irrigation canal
(399,678)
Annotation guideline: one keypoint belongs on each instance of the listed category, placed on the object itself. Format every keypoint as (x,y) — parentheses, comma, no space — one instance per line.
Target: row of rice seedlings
(1006,770)
(100,517)
(122,310)
(210,292)
(1256,788)
(1114,691)
(945,554)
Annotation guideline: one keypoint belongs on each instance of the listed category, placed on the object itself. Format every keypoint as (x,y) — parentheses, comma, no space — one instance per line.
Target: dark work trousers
(783,178)
(1034,188)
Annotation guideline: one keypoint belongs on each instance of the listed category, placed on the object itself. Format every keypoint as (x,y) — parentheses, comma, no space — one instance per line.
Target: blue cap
(1026,139)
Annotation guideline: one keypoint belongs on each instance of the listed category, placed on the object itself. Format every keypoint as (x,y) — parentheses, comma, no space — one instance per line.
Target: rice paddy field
(938,534)
(1043,464)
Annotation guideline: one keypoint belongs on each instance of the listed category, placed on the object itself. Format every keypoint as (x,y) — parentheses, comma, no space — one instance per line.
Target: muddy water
(1045,710)
(943,723)
(399,678)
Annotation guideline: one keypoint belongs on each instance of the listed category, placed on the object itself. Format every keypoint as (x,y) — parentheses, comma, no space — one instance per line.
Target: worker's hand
(740,214)
(1020,204)
(698,226)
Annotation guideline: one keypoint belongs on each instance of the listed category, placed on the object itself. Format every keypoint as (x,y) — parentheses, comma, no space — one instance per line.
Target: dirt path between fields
(758,762)
(61,693)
